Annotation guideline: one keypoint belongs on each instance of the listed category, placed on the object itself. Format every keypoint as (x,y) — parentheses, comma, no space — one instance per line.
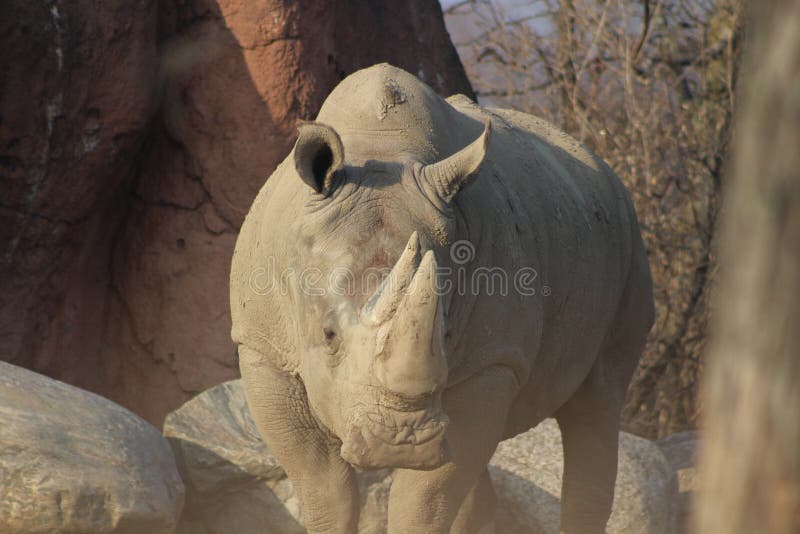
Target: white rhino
(429,371)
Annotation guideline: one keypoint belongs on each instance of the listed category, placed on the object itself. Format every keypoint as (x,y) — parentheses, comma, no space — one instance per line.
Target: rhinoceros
(364,340)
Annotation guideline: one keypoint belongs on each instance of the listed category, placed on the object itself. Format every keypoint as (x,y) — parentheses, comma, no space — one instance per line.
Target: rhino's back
(544,201)
(546,195)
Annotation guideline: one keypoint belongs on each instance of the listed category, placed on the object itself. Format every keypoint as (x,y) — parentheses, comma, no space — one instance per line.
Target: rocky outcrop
(133,137)
(234,484)
(71,461)
(78,92)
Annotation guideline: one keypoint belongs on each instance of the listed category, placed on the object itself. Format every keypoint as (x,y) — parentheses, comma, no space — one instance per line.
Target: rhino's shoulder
(258,312)
(540,130)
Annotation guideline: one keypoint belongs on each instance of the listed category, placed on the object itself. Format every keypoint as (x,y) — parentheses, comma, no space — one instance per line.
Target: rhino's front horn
(413,363)
(384,302)
(452,173)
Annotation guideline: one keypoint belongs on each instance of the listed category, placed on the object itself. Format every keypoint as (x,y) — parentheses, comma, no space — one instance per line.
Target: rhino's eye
(332,340)
(329,334)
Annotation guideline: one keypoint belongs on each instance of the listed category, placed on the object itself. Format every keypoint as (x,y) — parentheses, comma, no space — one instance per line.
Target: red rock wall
(133,136)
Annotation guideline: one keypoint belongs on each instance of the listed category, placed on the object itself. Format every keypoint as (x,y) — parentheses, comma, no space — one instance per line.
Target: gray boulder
(526,472)
(72,461)
(680,449)
(234,484)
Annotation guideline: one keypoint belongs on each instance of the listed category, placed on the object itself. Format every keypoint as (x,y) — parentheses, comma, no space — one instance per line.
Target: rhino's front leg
(429,501)
(324,483)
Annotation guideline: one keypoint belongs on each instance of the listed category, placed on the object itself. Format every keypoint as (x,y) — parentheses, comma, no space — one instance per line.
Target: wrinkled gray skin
(340,372)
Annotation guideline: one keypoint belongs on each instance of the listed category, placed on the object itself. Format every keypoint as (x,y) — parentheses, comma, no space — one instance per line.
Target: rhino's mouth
(405,428)
(381,436)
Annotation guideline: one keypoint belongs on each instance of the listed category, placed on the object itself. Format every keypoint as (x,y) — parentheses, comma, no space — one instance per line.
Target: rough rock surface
(71,461)
(133,137)
(234,483)
(528,468)
(78,90)
(680,449)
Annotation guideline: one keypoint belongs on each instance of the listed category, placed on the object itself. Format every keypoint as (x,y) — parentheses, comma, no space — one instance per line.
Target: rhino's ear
(318,155)
(448,176)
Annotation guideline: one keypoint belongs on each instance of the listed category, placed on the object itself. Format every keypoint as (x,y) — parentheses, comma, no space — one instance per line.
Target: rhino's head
(372,352)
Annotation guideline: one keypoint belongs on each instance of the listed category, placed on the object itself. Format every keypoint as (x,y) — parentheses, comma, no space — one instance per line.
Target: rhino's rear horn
(449,175)
(318,155)
(383,303)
